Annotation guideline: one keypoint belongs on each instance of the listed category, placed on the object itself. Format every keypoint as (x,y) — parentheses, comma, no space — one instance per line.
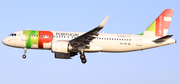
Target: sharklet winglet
(104,22)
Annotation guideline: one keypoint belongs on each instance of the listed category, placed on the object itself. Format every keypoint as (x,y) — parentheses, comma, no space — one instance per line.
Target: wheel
(23,56)
(82,56)
(83,61)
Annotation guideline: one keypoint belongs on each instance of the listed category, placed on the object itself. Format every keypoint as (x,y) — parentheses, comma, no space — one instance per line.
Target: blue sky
(152,66)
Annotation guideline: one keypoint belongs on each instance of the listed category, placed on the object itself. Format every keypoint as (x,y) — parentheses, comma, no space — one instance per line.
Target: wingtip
(104,22)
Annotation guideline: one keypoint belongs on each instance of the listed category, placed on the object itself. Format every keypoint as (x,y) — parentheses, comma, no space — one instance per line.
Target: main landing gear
(24,55)
(83,58)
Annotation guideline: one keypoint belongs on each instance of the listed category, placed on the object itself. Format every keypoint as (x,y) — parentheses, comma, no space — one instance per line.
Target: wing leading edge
(87,37)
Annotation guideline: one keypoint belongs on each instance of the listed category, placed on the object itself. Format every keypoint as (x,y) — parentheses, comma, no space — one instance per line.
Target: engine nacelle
(60,47)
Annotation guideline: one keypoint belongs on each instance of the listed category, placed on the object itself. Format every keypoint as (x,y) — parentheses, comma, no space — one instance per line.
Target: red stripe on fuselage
(49,37)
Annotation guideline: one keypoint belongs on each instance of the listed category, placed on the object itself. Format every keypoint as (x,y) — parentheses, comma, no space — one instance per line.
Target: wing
(87,37)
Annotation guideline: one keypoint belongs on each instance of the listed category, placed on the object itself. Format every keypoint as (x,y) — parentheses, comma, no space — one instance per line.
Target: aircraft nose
(5,41)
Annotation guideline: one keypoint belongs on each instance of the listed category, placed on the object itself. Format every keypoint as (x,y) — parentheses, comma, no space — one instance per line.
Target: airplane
(65,45)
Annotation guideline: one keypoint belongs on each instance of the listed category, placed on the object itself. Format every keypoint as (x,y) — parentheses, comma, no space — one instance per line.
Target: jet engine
(61,50)
(60,47)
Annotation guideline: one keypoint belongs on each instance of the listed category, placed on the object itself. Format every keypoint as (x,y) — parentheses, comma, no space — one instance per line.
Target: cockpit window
(12,35)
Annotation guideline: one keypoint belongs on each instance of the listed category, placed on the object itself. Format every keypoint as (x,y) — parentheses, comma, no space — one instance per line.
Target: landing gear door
(139,41)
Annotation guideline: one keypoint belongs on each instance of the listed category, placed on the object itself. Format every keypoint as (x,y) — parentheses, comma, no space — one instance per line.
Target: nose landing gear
(24,55)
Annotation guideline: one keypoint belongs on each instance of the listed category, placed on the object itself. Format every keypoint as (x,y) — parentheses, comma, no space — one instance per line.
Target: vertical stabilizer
(160,26)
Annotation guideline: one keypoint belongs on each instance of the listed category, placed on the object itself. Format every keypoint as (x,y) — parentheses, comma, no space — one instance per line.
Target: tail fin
(161,25)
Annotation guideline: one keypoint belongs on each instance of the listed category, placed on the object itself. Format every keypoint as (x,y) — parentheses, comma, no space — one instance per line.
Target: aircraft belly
(47,45)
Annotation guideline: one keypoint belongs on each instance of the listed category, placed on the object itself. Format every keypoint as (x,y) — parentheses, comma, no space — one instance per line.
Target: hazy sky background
(153,66)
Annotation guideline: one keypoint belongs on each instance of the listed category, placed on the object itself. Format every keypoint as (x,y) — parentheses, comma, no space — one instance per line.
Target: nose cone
(6,41)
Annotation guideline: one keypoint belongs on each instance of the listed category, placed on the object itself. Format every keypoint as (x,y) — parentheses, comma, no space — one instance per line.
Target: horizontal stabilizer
(163,39)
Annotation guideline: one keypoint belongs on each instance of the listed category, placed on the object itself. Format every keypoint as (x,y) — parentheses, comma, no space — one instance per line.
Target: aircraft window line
(75,37)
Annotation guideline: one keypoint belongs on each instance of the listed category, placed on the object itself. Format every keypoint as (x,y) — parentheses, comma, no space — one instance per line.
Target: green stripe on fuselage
(31,37)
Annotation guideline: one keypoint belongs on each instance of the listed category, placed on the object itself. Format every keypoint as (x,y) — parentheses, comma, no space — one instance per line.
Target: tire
(82,57)
(23,56)
(83,61)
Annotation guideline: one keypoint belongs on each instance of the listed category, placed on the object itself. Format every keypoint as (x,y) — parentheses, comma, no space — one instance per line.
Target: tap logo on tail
(161,25)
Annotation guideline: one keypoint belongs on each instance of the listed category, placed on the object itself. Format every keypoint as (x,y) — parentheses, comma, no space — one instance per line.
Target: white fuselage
(102,43)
